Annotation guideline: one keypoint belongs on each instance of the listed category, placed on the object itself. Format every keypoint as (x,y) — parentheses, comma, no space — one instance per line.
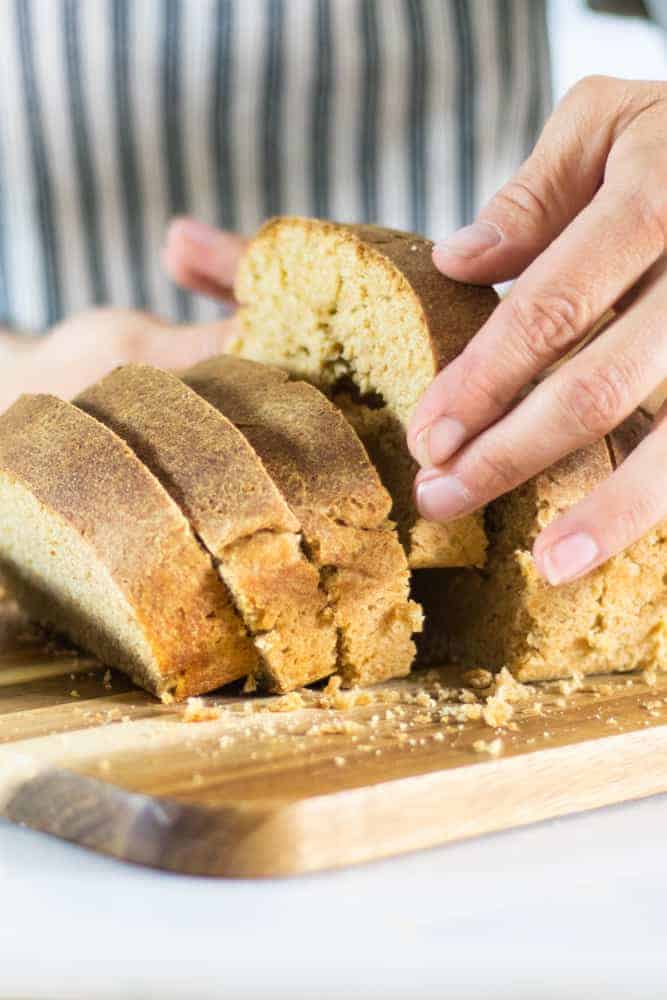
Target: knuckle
(495,474)
(643,511)
(598,400)
(480,383)
(519,200)
(546,325)
(648,204)
(595,89)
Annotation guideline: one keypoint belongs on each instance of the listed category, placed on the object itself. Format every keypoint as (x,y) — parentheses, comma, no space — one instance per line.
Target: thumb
(554,184)
(201,258)
(179,347)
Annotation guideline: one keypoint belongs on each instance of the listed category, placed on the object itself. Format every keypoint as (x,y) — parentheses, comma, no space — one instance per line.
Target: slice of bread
(506,615)
(220,483)
(94,547)
(325,475)
(364,309)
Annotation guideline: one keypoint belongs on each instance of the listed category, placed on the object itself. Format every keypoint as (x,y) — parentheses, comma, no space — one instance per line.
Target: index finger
(596,260)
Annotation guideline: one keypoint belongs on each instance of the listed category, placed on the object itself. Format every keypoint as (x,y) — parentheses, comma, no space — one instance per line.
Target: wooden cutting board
(254,792)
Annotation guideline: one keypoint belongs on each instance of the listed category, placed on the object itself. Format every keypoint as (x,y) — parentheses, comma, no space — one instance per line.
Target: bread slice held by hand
(95,548)
(324,473)
(225,491)
(613,619)
(363,313)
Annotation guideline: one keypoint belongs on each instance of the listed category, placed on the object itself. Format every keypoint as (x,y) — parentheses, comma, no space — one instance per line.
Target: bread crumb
(106,680)
(339,761)
(74,693)
(104,765)
(196,710)
(478,678)
(574,683)
(424,700)
(250,685)
(439,737)
(197,779)
(167,698)
(494,748)
(650,677)
(287,703)
(561,702)
(496,712)
(507,688)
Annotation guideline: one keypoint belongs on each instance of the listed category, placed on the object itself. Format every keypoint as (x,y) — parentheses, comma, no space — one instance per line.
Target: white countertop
(572,908)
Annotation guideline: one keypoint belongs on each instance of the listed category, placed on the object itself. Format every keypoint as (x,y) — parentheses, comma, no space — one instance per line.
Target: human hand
(80,350)
(584,224)
(203,259)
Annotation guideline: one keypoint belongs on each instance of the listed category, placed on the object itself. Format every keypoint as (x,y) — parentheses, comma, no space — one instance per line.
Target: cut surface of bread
(614,619)
(325,475)
(95,548)
(360,307)
(225,491)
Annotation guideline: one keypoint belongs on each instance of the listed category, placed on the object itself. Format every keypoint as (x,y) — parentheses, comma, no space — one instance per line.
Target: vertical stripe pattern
(539,98)
(368,134)
(271,126)
(117,114)
(172,132)
(122,40)
(323,97)
(221,127)
(52,283)
(80,132)
(466,114)
(418,113)
(5,292)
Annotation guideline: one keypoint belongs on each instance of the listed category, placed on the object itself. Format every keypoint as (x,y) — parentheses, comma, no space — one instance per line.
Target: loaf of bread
(223,488)
(93,546)
(506,615)
(325,475)
(363,313)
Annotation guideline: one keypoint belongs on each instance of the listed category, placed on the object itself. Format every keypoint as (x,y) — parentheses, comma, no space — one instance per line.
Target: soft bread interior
(59,581)
(330,308)
(326,306)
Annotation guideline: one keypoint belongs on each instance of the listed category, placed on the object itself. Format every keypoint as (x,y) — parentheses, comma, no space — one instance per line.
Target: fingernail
(471,241)
(438,441)
(198,232)
(441,497)
(569,557)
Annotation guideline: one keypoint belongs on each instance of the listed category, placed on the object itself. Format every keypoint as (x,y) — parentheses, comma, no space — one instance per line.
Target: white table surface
(571,908)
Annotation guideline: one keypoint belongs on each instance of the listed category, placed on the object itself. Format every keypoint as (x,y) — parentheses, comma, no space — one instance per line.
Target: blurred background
(584,42)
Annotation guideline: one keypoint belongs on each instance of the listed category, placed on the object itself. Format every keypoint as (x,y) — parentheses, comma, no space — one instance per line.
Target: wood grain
(254,792)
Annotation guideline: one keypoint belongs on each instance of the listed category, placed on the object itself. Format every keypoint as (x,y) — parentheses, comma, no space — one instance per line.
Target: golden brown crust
(80,470)
(199,455)
(226,492)
(454,311)
(311,452)
(329,482)
(613,619)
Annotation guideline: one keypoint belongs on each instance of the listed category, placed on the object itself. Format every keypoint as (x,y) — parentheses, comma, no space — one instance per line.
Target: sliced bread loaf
(223,488)
(325,475)
(363,313)
(95,548)
(506,615)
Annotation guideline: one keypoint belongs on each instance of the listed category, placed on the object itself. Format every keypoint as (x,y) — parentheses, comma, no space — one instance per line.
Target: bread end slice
(95,549)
